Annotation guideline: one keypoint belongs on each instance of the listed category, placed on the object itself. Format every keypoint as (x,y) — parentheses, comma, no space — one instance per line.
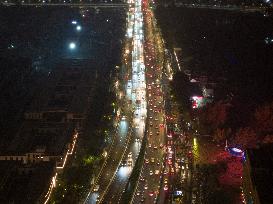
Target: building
(48,134)
(258,175)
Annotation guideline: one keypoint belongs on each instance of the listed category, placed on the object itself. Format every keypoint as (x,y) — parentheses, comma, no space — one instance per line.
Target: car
(130,162)
(146,186)
(172,170)
(96,188)
(151,172)
(130,155)
(124,163)
(156,119)
(193,196)
(98,198)
(156,172)
(165,187)
(157,132)
(152,160)
(156,127)
(146,161)
(151,193)
(138,193)
(169,162)
(165,181)
(150,145)
(161,145)
(155,147)
(151,134)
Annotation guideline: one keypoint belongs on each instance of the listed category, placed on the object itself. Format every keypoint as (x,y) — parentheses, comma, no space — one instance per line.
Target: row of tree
(242,124)
(218,119)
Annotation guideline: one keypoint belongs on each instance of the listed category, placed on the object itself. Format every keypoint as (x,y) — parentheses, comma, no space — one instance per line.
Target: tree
(181,90)
(246,138)
(268,139)
(213,117)
(221,134)
(218,196)
(264,119)
(217,114)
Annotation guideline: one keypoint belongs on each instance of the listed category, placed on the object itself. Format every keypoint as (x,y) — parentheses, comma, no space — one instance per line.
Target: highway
(136,93)
(111,163)
(117,170)
(154,169)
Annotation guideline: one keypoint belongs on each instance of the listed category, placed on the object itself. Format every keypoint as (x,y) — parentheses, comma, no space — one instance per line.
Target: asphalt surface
(150,187)
(116,172)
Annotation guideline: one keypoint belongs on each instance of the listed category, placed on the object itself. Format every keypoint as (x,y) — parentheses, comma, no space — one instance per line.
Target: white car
(130,155)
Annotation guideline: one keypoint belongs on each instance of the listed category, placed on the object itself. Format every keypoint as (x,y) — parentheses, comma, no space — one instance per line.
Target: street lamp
(72,46)
(78,28)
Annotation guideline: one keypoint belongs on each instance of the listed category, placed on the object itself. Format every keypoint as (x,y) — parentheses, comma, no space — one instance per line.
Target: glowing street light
(74,22)
(78,28)
(72,46)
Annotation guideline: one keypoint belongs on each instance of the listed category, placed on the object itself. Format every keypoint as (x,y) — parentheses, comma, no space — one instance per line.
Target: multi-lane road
(111,181)
(144,53)
(153,184)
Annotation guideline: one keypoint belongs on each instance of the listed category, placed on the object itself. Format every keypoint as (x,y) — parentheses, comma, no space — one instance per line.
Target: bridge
(262,8)
(225,7)
(68,4)
(80,3)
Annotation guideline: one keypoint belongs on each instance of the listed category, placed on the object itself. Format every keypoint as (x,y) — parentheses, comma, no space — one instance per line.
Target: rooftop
(34,134)
(24,187)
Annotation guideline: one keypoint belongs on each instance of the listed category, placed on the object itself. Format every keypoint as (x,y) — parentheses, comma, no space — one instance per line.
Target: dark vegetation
(74,183)
(230,49)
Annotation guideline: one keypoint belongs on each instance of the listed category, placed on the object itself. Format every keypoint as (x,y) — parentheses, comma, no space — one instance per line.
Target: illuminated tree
(268,139)
(213,117)
(246,138)
(221,134)
(217,114)
(264,119)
